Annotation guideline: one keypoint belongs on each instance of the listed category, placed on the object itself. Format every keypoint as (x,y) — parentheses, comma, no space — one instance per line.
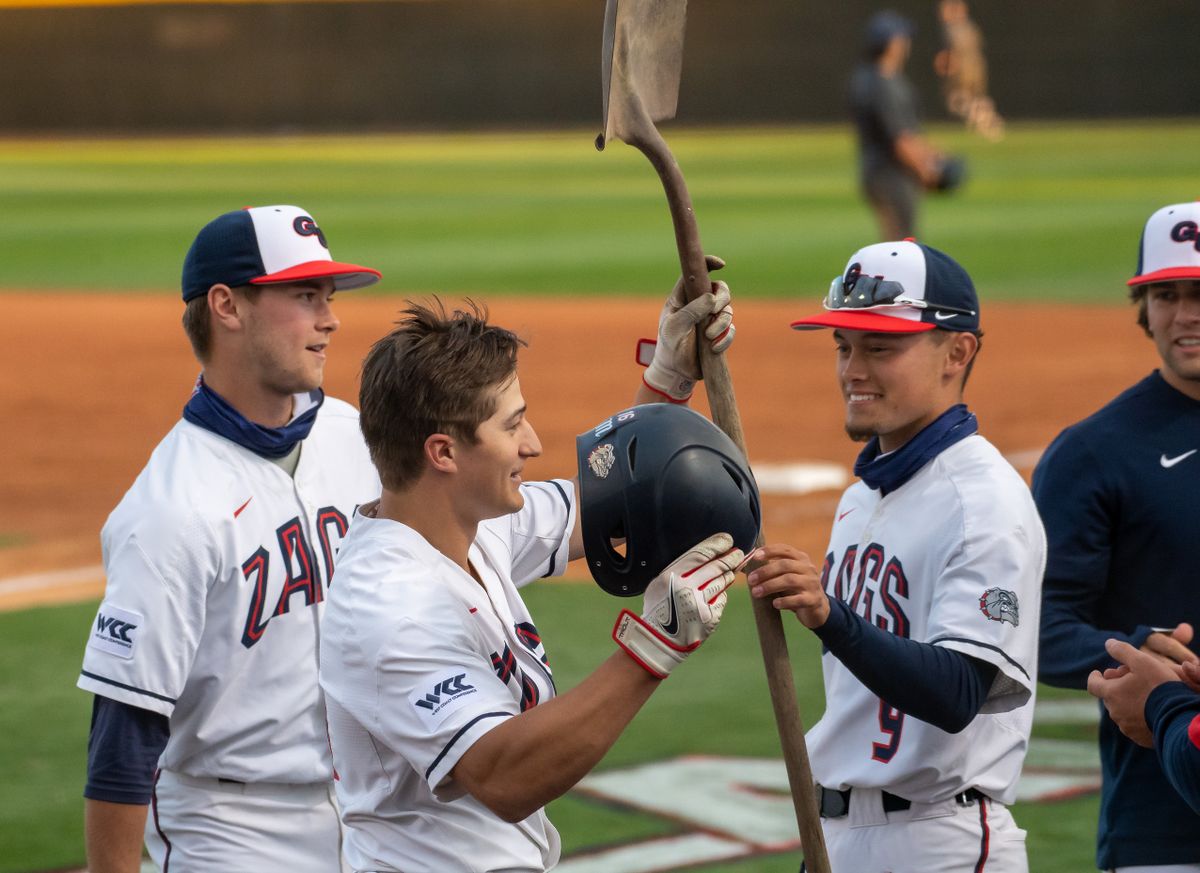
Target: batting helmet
(662,478)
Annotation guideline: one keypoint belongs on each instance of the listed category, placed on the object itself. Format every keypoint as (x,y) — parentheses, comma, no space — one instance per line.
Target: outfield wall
(463,63)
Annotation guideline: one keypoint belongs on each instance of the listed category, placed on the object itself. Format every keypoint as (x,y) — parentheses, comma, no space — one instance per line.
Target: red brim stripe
(871,321)
(346,276)
(1170,274)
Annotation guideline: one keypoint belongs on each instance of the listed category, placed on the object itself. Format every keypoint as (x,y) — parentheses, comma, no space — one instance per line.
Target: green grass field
(1050,213)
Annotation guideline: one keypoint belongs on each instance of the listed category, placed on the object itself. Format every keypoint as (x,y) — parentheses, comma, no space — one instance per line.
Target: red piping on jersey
(986,838)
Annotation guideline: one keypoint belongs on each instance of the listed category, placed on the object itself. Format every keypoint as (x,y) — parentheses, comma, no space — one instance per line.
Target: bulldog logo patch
(1000,605)
(601,459)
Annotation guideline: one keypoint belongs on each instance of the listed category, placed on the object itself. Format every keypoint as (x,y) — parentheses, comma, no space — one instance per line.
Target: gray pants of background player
(893,195)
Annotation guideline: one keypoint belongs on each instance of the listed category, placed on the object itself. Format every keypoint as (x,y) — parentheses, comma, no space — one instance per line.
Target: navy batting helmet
(662,478)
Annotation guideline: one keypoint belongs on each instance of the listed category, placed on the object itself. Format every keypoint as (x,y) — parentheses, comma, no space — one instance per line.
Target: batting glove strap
(654,653)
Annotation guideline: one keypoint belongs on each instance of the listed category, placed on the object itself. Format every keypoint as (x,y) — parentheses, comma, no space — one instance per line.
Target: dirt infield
(89,384)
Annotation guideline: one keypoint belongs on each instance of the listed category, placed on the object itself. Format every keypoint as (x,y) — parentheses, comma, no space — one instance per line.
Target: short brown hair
(432,374)
(197,320)
(1137,294)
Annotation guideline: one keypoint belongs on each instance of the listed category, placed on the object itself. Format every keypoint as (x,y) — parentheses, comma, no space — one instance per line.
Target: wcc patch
(116,631)
(440,698)
(1000,605)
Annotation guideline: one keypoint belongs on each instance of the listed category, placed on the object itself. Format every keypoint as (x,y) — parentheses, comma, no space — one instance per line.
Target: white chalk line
(51,580)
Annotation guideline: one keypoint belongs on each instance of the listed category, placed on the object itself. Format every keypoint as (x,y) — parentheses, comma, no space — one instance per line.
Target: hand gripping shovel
(640,66)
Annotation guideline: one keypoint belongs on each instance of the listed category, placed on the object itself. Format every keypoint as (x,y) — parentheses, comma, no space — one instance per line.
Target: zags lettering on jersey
(880,595)
(505,665)
(302,573)
(529,637)
(880,586)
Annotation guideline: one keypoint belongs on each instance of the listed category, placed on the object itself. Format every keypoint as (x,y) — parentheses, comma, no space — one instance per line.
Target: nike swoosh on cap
(1168,463)
(944,316)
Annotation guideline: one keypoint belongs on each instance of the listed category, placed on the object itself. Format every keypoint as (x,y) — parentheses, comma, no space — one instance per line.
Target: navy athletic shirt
(1118,495)
(1173,713)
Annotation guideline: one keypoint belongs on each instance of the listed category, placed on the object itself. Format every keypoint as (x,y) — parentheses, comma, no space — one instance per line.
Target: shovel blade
(641,60)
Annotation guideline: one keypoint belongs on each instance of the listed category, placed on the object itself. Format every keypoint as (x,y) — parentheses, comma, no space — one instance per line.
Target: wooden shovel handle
(719,386)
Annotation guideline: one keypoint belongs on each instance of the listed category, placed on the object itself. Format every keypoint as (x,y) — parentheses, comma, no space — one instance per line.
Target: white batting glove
(681,607)
(672,364)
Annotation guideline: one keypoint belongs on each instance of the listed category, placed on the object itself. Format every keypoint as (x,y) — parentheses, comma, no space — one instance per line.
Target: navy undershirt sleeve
(123,749)
(1171,711)
(937,685)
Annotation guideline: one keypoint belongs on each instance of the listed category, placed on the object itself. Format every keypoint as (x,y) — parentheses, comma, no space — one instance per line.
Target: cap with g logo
(899,287)
(265,245)
(1170,247)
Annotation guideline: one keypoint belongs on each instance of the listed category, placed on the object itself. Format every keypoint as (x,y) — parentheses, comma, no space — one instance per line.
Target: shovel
(640,66)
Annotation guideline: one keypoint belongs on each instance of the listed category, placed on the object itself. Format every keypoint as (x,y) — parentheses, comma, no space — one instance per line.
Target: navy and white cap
(264,245)
(1170,247)
(898,287)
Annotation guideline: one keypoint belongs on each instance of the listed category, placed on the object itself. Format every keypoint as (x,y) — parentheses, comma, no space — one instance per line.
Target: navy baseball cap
(898,287)
(882,26)
(263,245)
(1170,246)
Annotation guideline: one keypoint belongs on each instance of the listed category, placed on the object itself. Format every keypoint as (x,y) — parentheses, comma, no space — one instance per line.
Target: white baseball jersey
(954,557)
(218,563)
(418,662)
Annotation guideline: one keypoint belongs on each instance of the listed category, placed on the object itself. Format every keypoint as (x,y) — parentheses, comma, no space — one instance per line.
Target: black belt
(835,804)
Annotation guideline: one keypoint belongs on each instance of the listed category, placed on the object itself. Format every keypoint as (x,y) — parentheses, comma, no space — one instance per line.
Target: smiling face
(489,470)
(894,385)
(287,333)
(1173,320)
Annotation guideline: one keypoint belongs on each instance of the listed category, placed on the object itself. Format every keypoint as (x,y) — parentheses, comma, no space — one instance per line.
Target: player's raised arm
(533,758)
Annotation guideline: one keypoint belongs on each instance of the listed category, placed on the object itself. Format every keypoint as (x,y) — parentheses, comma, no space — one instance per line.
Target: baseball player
(448,736)
(895,161)
(203,654)
(1155,703)
(1117,493)
(926,601)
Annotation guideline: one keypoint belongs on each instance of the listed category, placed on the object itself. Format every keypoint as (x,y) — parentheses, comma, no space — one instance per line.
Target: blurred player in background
(927,599)
(963,71)
(447,732)
(1117,492)
(896,162)
(203,655)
